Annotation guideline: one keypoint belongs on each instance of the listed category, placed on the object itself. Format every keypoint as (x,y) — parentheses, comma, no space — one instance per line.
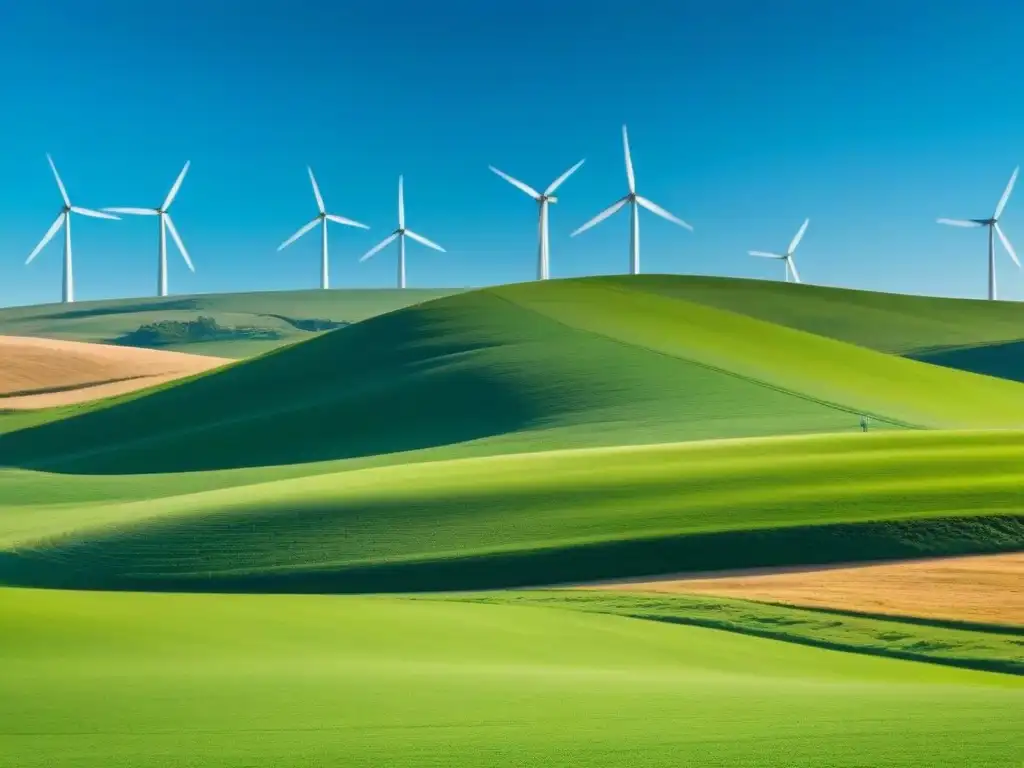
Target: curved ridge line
(707,366)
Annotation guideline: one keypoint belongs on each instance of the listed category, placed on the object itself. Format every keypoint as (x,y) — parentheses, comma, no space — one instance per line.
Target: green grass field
(566,364)
(534,518)
(171,560)
(94,679)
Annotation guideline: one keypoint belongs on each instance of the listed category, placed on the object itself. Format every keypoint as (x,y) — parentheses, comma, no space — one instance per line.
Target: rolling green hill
(251,323)
(248,323)
(527,435)
(888,322)
(522,367)
(536,518)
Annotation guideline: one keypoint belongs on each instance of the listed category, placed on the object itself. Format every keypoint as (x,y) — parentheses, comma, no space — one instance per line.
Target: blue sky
(872,118)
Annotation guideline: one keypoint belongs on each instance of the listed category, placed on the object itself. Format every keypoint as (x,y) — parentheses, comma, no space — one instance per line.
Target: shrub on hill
(168,332)
(314,324)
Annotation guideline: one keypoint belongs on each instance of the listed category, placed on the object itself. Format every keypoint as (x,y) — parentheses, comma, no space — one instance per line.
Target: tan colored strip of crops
(984,588)
(41,373)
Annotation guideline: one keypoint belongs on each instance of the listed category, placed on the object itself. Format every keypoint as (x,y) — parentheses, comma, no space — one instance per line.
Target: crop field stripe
(978,648)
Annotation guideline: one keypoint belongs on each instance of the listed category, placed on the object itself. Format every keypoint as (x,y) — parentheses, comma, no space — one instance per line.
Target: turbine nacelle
(64,220)
(162,212)
(786,257)
(400,233)
(321,218)
(994,230)
(635,201)
(542,198)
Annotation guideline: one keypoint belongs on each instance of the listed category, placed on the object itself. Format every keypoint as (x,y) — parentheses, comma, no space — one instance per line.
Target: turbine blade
(766,255)
(134,211)
(379,246)
(316,190)
(558,182)
(1006,194)
(305,228)
(792,266)
(60,184)
(177,185)
(401,204)
(959,222)
(653,208)
(346,222)
(47,237)
(177,241)
(798,238)
(1006,245)
(517,183)
(94,214)
(601,216)
(629,161)
(424,241)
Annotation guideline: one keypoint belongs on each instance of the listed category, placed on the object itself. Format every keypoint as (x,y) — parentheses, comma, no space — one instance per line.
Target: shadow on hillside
(397,384)
(1004,360)
(172,559)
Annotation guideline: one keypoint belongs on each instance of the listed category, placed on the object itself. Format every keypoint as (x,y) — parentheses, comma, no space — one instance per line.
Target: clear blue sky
(872,118)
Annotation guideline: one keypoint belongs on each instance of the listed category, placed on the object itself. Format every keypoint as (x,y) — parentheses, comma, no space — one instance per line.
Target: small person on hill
(863,423)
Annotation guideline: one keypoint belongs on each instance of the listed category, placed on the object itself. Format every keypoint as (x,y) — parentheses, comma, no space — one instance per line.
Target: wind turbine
(64,217)
(400,234)
(321,218)
(634,201)
(166,225)
(788,255)
(543,198)
(993,229)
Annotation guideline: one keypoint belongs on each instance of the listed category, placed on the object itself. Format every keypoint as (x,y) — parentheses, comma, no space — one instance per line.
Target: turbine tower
(166,225)
(993,229)
(543,198)
(321,218)
(64,218)
(788,255)
(634,201)
(400,234)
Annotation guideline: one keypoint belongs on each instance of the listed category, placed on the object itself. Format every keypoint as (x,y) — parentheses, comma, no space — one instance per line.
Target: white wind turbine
(321,218)
(64,217)
(166,225)
(993,229)
(400,234)
(788,255)
(634,201)
(543,198)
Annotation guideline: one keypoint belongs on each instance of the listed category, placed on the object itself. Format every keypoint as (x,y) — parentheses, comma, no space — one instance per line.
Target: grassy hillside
(249,323)
(977,646)
(95,680)
(530,366)
(1005,360)
(534,434)
(526,519)
(889,322)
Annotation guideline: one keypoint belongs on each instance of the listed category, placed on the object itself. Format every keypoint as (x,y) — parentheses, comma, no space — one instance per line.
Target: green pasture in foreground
(531,518)
(530,366)
(280,316)
(93,680)
(988,648)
